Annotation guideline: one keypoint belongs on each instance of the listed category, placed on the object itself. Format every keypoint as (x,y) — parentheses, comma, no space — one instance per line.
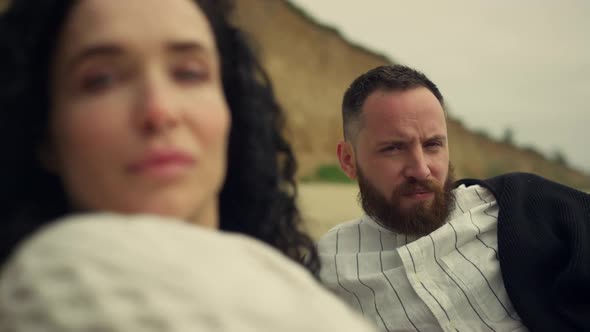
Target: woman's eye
(190,75)
(98,82)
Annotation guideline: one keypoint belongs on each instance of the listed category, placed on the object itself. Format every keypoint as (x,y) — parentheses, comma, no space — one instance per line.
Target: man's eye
(391,148)
(434,145)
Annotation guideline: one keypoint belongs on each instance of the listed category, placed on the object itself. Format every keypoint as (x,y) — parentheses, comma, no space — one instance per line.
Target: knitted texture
(544,249)
(112,273)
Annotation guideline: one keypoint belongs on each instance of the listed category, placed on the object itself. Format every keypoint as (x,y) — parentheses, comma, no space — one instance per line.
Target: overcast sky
(520,64)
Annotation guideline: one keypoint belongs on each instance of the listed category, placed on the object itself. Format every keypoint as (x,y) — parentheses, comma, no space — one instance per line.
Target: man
(505,254)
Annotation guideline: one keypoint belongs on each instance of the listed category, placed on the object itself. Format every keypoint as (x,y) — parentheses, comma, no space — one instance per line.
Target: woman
(146,107)
(60,99)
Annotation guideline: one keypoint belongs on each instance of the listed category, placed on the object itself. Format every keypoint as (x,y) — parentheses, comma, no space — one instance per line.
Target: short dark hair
(388,78)
(257,200)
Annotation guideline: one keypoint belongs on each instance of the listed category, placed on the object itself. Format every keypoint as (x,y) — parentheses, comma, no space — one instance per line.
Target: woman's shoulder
(146,268)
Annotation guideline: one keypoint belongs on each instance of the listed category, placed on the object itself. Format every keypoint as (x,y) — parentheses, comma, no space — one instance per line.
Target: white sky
(521,64)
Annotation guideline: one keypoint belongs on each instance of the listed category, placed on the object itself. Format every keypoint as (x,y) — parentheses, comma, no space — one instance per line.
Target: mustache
(414,186)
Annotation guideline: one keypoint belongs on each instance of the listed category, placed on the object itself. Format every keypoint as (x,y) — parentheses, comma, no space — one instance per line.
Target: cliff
(311,65)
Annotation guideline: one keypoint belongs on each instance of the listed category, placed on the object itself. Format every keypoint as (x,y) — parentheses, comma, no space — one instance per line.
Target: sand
(324,205)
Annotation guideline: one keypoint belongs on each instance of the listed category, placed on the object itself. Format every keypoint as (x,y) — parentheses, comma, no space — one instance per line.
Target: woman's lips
(162,164)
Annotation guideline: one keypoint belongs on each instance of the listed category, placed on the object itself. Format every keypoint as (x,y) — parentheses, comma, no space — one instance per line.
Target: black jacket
(544,250)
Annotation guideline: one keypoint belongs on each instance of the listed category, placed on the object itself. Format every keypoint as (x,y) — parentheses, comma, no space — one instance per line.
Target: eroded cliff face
(311,65)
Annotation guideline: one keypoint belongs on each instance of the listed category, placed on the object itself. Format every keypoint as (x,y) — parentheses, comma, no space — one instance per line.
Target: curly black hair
(258,196)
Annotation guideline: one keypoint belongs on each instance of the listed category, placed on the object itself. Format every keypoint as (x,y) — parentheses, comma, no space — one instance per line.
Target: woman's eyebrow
(113,49)
(186,46)
(99,50)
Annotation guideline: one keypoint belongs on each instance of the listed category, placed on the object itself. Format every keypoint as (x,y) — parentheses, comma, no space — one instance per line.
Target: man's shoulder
(347,225)
(521,182)
(342,236)
(344,227)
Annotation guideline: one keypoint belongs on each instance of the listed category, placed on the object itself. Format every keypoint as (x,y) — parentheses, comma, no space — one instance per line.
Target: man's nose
(417,166)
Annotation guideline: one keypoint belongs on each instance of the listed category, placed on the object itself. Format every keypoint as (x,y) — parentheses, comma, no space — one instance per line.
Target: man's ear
(347,159)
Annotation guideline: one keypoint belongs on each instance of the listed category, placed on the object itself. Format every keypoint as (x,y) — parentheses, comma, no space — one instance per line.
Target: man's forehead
(390,115)
(396,98)
(416,104)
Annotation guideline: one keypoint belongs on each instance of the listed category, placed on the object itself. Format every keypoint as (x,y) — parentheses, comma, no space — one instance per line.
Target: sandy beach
(324,205)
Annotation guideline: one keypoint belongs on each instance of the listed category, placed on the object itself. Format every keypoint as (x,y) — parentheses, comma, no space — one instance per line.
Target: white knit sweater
(113,273)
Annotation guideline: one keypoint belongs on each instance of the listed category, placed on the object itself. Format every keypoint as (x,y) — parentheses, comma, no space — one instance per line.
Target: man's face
(401,160)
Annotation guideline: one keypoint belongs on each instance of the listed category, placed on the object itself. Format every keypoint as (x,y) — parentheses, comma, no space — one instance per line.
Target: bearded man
(510,253)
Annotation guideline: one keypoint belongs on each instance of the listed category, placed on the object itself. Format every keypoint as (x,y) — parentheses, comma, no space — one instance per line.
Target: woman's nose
(157,108)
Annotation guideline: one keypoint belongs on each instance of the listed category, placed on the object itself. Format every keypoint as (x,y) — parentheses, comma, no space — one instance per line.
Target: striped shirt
(449,280)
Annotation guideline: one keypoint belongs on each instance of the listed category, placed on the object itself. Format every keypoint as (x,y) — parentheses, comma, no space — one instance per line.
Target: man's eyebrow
(441,138)
(401,141)
(394,141)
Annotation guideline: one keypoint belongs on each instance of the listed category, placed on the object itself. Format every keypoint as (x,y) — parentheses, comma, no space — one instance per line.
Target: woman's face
(139,121)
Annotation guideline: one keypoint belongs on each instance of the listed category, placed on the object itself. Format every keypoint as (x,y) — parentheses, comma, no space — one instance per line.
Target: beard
(420,219)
